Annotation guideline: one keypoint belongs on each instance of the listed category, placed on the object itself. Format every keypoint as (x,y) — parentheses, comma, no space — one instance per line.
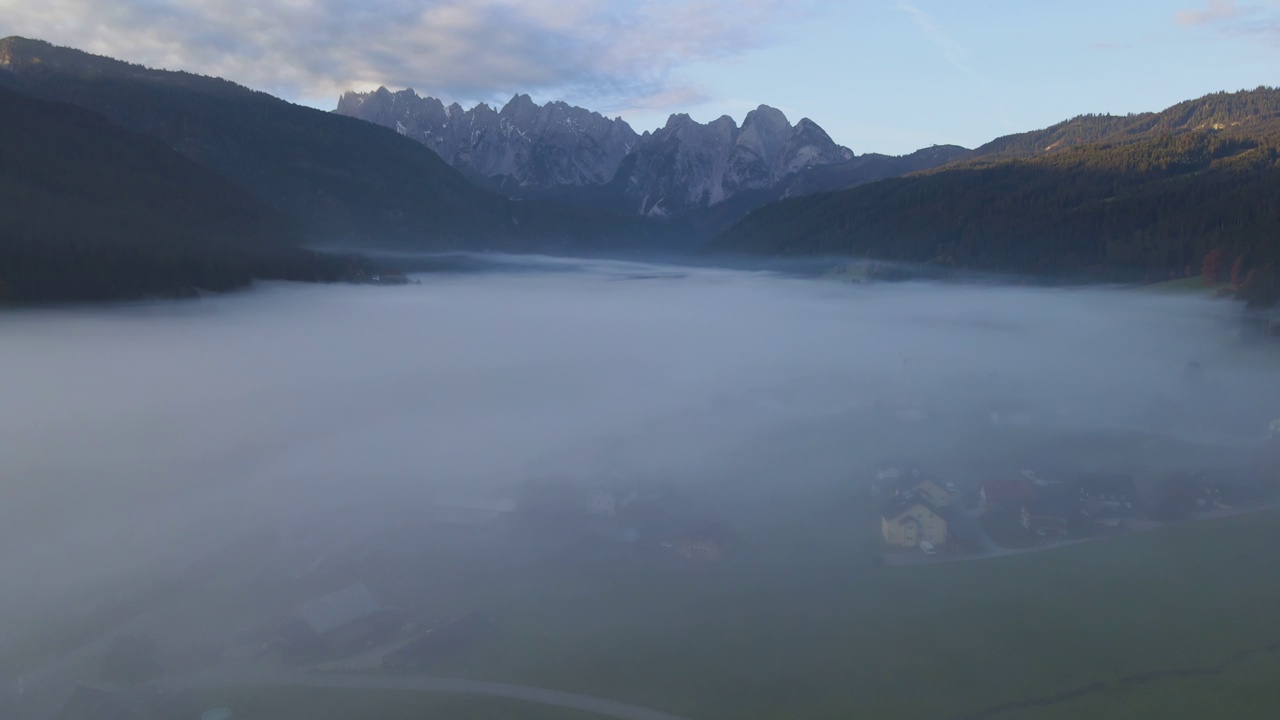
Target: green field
(797,622)
(314,704)
(819,637)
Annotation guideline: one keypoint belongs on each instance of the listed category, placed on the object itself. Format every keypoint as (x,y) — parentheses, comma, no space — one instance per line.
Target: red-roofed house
(996,494)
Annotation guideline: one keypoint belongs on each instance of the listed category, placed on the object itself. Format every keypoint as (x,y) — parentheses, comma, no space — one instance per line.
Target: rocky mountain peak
(679,167)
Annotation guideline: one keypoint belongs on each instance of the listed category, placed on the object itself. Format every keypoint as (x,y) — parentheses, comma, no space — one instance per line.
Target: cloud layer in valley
(141,436)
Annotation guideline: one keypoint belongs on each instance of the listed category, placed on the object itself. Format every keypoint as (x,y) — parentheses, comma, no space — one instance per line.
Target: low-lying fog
(142,435)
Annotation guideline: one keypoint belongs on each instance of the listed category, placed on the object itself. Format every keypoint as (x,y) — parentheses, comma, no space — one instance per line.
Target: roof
(482,503)
(912,480)
(1111,485)
(1057,505)
(895,506)
(338,609)
(1015,489)
(88,702)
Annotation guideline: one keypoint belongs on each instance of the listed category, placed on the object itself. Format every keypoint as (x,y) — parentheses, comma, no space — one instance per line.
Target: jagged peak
(677,119)
(520,100)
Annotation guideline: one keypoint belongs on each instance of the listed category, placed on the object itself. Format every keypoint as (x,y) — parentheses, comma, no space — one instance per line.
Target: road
(223,677)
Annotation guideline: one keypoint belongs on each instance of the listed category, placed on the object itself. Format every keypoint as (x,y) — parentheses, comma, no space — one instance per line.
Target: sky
(879,75)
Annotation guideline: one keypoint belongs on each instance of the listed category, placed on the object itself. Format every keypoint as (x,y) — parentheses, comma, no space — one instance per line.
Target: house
(337,610)
(1229,487)
(996,494)
(1011,413)
(89,702)
(344,621)
(908,518)
(601,503)
(699,549)
(1055,514)
(917,483)
(1107,499)
(1116,493)
(471,509)
(1048,473)
(439,642)
(908,408)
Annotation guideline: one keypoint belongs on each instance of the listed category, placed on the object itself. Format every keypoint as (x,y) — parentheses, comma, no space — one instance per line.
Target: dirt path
(276,677)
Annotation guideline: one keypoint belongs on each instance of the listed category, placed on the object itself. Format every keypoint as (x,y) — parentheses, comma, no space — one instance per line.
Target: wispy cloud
(955,54)
(1259,22)
(1216,11)
(621,53)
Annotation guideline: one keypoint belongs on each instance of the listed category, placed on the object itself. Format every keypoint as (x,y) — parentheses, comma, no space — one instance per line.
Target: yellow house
(907,519)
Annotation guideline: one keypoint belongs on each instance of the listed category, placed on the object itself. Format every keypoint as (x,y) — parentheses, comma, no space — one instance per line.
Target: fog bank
(140,436)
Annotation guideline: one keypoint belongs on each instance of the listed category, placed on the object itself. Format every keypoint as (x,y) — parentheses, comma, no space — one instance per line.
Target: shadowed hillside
(89,211)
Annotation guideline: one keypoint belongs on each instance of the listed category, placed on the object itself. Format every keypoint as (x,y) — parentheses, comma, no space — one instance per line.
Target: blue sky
(880,75)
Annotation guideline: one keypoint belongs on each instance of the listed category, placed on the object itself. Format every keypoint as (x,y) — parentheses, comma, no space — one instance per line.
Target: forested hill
(342,180)
(89,211)
(1259,109)
(1155,198)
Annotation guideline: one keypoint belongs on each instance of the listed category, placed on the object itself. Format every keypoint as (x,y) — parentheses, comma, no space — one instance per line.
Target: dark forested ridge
(342,180)
(1194,189)
(89,211)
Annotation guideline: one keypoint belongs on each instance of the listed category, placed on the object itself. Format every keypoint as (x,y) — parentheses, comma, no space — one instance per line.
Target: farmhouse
(1115,494)
(699,549)
(906,519)
(601,503)
(1050,515)
(439,642)
(471,509)
(340,621)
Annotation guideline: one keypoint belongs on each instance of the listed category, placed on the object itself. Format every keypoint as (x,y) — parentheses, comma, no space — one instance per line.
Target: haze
(139,437)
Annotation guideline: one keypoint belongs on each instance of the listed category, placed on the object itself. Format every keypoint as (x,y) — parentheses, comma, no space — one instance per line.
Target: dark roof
(338,609)
(1015,489)
(1099,484)
(1053,505)
(910,480)
(93,703)
(898,504)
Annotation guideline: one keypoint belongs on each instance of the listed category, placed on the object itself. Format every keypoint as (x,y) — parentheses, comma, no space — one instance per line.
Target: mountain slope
(344,181)
(89,211)
(1152,200)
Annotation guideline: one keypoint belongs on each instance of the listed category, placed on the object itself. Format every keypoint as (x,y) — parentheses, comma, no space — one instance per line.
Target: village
(1044,502)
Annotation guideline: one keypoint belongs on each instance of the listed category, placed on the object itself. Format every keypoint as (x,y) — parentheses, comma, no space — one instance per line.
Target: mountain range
(121,181)
(1193,190)
(682,170)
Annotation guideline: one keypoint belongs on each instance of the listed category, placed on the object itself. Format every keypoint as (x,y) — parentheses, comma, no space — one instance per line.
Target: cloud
(623,54)
(1217,11)
(1227,18)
